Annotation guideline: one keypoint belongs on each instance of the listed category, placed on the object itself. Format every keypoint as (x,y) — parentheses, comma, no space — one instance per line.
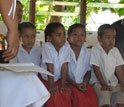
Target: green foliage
(121,12)
(41,20)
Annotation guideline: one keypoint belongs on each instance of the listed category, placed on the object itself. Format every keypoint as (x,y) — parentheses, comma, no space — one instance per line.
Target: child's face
(108,39)
(77,37)
(58,37)
(28,38)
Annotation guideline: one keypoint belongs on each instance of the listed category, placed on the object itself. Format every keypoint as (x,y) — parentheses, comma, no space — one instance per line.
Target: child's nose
(79,37)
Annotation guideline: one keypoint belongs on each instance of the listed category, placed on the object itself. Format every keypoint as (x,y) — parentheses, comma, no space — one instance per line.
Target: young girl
(55,56)
(79,69)
(27,51)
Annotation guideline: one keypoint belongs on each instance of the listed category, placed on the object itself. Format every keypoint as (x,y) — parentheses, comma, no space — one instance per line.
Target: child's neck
(57,49)
(76,50)
(106,50)
(27,49)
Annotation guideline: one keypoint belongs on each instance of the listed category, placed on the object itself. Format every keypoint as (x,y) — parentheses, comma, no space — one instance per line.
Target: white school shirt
(35,56)
(79,67)
(107,63)
(50,55)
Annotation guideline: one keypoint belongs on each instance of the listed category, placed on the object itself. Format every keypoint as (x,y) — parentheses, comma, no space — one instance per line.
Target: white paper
(24,67)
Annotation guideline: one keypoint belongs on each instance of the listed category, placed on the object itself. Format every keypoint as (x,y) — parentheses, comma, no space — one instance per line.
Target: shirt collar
(99,47)
(22,49)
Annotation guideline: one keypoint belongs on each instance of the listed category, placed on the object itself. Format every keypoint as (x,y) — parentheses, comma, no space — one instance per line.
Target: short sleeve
(46,54)
(94,59)
(119,59)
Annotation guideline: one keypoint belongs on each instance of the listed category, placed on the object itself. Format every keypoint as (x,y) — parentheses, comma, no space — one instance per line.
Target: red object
(83,99)
(62,99)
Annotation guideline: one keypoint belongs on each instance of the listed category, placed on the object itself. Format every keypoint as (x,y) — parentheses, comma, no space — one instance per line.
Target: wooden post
(83,12)
(32,11)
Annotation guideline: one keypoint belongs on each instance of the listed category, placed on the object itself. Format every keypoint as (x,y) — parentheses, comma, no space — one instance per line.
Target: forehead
(78,29)
(109,32)
(60,28)
(29,30)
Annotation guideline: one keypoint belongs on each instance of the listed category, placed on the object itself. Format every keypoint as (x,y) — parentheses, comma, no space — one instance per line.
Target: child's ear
(69,39)
(49,39)
(99,38)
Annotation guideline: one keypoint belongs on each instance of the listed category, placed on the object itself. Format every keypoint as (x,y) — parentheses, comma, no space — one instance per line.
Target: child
(79,69)
(56,55)
(27,51)
(107,62)
(23,89)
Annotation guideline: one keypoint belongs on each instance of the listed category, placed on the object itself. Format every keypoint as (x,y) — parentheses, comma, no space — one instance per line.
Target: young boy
(55,58)
(83,95)
(107,62)
(27,51)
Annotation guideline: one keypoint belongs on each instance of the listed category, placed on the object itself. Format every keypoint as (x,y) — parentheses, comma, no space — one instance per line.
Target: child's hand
(53,89)
(82,87)
(64,87)
(106,88)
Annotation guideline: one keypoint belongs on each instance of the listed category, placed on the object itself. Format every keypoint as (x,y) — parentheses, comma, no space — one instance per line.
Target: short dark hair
(50,28)
(74,26)
(19,2)
(24,25)
(102,28)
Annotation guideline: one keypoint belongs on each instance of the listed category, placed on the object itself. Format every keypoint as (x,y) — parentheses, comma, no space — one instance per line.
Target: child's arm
(52,88)
(71,81)
(120,75)
(83,85)
(64,72)
(87,77)
(100,78)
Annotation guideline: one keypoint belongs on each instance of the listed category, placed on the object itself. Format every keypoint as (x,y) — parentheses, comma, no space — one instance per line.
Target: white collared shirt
(35,56)
(50,55)
(79,67)
(107,63)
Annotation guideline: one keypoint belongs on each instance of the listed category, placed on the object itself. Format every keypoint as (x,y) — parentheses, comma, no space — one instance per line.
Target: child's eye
(58,34)
(33,36)
(83,34)
(26,36)
(75,34)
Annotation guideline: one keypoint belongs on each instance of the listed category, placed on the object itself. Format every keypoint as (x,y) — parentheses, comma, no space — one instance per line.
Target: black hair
(102,29)
(25,25)
(50,28)
(72,27)
(19,2)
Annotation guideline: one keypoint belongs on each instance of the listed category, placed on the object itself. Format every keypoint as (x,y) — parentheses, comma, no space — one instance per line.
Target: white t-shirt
(50,55)
(35,56)
(107,63)
(79,67)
